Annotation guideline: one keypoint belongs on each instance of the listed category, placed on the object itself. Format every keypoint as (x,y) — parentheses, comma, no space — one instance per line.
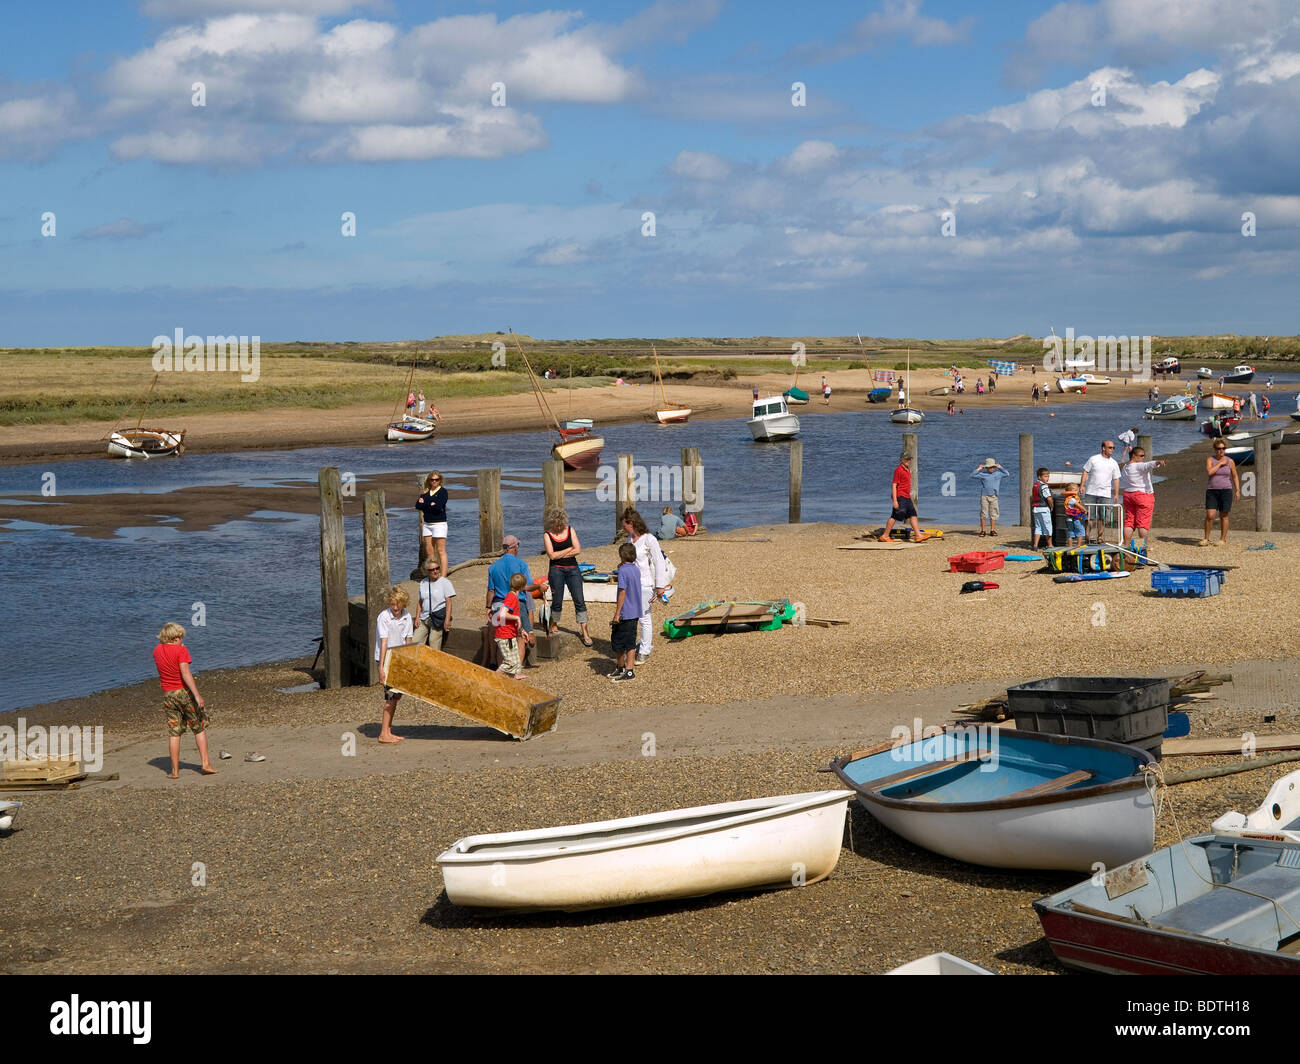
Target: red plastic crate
(977,561)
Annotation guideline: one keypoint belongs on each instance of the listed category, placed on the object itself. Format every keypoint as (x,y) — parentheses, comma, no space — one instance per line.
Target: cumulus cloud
(895,20)
(700,166)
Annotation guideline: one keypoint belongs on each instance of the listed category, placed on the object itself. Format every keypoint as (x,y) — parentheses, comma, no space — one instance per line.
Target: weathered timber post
(491,527)
(333,578)
(1144,441)
(796,480)
(693,482)
(1264,483)
(553,484)
(909,449)
(624,491)
(1027,479)
(378,576)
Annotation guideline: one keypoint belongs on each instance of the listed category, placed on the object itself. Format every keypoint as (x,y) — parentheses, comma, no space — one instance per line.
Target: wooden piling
(1263,483)
(909,449)
(1027,478)
(491,526)
(693,481)
(796,480)
(553,484)
(333,578)
(624,491)
(1144,441)
(378,575)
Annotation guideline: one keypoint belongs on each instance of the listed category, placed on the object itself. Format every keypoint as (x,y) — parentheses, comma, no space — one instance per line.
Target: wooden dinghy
(1028,800)
(146,443)
(1209,905)
(1219,401)
(1278,816)
(718,617)
(411,430)
(483,696)
(756,844)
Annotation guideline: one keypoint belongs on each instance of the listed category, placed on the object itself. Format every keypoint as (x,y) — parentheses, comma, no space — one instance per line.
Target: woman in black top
(562,547)
(432,507)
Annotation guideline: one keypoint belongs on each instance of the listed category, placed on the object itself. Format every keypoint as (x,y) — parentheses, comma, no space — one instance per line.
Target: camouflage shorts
(182,713)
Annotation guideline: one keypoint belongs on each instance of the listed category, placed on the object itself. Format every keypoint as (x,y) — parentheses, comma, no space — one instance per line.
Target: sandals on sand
(587,642)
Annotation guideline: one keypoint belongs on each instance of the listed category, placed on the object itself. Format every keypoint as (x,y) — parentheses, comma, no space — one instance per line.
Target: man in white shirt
(1099,487)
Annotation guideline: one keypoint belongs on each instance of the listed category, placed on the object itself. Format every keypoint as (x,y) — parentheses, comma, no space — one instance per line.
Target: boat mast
(542,404)
(410,379)
(660,377)
(146,403)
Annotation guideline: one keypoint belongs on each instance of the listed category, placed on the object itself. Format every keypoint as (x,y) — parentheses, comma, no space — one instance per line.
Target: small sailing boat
(794,395)
(667,414)
(409,428)
(906,415)
(574,426)
(145,443)
(577,448)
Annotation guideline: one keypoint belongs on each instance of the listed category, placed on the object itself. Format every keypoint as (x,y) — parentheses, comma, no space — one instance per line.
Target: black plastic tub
(1122,709)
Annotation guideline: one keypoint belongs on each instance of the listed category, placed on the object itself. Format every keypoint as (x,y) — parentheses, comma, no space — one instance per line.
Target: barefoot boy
(393,629)
(181,699)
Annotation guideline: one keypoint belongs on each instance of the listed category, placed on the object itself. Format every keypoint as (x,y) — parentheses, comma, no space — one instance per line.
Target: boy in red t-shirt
(506,620)
(903,509)
(181,699)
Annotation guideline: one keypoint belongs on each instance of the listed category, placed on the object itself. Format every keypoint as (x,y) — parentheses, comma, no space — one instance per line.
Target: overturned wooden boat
(485,697)
(1008,799)
(756,844)
(146,443)
(1278,816)
(939,964)
(1209,905)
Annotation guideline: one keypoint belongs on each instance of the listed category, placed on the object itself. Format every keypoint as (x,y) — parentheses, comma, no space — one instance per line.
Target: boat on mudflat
(1168,365)
(411,430)
(1070,384)
(1092,378)
(756,844)
(1278,815)
(1174,408)
(146,443)
(1208,905)
(1025,800)
(1242,374)
(1205,373)
(879,395)
(1219,401)
(939,964)
(1220,425)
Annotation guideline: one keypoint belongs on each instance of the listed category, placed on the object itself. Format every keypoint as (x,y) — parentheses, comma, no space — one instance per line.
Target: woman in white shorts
(432,507)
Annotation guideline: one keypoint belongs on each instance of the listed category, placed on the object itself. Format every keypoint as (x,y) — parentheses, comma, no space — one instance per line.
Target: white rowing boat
(759,843)
(939,964)
(146,443)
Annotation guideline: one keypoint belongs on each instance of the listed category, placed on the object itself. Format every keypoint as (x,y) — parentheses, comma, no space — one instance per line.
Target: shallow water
(81,614)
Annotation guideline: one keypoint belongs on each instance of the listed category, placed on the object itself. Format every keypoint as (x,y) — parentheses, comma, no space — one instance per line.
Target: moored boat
(1169,364)
(1278,816)
(1174,408)
(577,448)
(879,395)
(795,397)
(668,414)
(146,443)
(1220,425)
(1070,384)
(761,843)
(1210,904)
(772,420)
(1092,378)
(1023,800)
(579,452)
(576,425)
(1205,373)
(1242,374)
(939,391)
(907,416)
(1219,401)
(411,430)
(1242,456)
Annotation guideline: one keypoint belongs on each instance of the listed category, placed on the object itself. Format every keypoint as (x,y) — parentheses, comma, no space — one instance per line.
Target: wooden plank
(333,579)
(41,770)
(1049,786)
(511,706)
(491,525)
(826,622)
(1206,747)
(897,544)
(925,769)
(379,579)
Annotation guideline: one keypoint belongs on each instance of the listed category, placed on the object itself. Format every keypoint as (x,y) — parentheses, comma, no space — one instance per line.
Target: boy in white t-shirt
(393,629)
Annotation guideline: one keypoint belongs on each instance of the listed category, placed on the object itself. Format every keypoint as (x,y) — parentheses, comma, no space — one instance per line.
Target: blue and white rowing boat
(1009,799)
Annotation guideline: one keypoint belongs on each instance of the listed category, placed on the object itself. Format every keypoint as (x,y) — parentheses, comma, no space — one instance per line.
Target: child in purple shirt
(627,612)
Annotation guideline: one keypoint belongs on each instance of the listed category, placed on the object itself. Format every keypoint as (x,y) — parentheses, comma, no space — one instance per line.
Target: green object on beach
(681,626)
(1268,544)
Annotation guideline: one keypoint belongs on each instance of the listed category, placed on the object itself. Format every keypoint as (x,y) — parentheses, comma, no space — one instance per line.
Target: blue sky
(1115,211)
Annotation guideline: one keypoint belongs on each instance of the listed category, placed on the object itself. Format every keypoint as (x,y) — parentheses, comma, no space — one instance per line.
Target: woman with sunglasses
(432,507)
(1222,487)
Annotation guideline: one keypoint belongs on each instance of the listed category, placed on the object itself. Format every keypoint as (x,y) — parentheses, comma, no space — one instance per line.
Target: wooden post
(624,491)
(378,576)
(553,484)
(491,527)
(333,578)
(1264,483)
(909,449)
(1144,441)
(796,480)
(1027,478)
(693,482)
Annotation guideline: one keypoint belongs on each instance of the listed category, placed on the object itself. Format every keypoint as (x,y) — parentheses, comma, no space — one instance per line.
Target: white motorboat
(1092,378)
(939,964)
(1168,365)
(8,810)
(1016,799)
(772,420)
(905,415)
(1205,373)
(1070,384)
(1242,374)
(1278,816)
(1174,408)
(759,843)
(146,443)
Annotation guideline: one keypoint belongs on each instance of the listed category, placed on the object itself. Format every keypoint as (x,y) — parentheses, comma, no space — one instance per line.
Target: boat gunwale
(743,817)
(1096,790)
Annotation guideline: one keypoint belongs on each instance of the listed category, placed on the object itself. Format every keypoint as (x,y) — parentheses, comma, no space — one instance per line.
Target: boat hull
(774,427)
(795,397)
(1220,427)
(8,810)
(673,417)
(1070,384)
(939,964)
(146,443)
(412,430)
(1112,821)
(580,453)
(1205,374)
(907,416)
(1240,375)
(791,840)
(1218,401)
(1172,413)
(879,395)
(1277,815)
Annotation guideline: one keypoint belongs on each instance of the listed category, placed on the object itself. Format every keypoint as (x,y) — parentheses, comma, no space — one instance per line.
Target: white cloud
(1128,102)
(895,19)
(194,8)
(811,155)
(186,147)
(700,166)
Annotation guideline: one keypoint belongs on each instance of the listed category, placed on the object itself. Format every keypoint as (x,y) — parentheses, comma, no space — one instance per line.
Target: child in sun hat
(990,475)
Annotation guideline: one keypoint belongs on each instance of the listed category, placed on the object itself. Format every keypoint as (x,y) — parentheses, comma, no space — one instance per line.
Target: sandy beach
(315,861)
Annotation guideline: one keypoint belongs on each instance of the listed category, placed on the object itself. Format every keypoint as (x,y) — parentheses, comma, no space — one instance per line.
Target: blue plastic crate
(1193,583)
